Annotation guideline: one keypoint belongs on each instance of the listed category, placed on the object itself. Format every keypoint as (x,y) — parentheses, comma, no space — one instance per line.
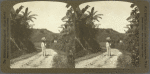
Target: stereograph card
(72,36)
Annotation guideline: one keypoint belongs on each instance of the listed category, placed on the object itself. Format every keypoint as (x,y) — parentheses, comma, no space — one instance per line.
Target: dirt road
(36,61)
(101,61)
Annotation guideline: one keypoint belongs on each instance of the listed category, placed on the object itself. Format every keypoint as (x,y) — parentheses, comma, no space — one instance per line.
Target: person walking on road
(108,46)
(43,46)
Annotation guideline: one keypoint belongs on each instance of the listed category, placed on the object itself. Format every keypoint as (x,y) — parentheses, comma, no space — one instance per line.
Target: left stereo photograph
(41,35)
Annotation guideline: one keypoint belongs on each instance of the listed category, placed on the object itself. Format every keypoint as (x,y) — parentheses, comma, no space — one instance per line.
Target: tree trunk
(15,43)
(82,44)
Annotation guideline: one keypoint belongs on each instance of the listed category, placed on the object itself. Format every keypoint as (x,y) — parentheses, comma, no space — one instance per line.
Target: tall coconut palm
(27,16)
(93,16)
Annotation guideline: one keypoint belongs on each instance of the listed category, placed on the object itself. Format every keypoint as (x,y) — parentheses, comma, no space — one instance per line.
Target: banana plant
(14,15)
(20,28)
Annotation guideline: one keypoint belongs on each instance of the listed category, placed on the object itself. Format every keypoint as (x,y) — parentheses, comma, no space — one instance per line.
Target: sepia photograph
(40,36)
(108,35)
(74,36)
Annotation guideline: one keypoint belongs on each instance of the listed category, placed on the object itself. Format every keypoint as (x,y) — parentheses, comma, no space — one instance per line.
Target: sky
(50,14)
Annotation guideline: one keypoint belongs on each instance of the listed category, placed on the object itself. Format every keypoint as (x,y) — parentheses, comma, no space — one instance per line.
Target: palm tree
(93,16)
(14,15)
(20,27)
(83,23)
(27,17)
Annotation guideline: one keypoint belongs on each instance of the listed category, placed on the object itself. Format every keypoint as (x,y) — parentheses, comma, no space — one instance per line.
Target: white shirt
(43,45)
(108,44)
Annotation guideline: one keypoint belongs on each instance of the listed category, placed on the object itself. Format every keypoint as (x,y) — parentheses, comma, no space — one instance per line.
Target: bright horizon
(49,17)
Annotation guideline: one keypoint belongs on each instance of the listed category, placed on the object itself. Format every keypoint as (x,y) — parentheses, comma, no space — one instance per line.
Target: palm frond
(132,5)
(84,9)
(68,5)
(127,27)
(69,12)
(32,17)
(29,13)
(12,13)
(26,12)
(130,17)
(99,14)
(84,16)
(65,17)
(95,12)
(89,12)
(19,9)
(92,11)
(133,21)
(78,11)
(31,20)
(136,8)
(22,12)
(99,17)
(19,16)
(133,12)
(97,20)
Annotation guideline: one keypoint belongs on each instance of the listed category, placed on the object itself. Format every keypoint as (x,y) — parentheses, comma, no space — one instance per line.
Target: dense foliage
(21,30)
(82,25)
(131,40)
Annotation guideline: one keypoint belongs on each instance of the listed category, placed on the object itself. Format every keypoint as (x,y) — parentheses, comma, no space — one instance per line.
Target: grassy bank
(124,60)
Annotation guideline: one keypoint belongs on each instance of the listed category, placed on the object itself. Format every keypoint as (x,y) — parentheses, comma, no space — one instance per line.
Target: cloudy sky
(51,13)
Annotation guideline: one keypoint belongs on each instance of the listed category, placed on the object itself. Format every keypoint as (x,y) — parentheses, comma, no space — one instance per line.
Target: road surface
(101,61)
(36,61)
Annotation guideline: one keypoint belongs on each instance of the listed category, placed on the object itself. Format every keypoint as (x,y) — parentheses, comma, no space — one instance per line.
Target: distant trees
(132,38)
(21,29)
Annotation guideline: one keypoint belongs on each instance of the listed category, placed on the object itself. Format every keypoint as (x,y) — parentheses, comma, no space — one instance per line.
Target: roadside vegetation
(21,31)
(130,44)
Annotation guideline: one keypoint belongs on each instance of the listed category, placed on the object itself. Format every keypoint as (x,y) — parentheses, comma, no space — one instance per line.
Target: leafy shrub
(128,45)
(124,60)
(61,61)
